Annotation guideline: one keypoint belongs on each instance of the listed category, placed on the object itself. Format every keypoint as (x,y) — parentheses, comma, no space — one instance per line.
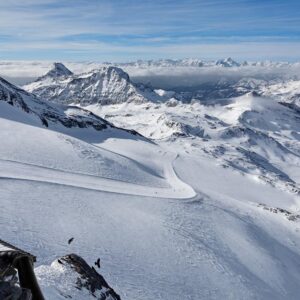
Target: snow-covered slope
(255,135)
(219,244)
(286,92)
(106,85)
(71,148)
(209,211)
(48,114)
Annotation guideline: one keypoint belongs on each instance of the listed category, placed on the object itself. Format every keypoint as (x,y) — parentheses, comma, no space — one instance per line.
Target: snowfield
(204,205)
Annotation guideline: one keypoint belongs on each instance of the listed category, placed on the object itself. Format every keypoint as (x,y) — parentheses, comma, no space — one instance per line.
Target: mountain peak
(227,62)
(112,70)
(58,70)
(104,85)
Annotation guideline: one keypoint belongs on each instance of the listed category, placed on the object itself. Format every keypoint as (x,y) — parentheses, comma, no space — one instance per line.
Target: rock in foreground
(72,278)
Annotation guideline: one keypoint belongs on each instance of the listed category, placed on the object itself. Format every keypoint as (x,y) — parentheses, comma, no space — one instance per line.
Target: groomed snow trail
(208,247)
(31,152)
(29,172)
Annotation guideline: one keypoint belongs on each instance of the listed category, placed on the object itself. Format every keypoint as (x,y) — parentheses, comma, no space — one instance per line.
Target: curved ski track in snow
(29,172)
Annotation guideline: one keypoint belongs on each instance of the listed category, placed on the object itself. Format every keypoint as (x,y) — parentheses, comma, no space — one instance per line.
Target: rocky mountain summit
(106,85)
(49,113)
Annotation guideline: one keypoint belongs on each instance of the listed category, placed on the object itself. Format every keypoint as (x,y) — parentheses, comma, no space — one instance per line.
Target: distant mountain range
(194,62)
(112,85)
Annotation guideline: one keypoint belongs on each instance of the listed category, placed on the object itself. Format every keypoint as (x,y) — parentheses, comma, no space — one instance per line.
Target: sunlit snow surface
(179,219)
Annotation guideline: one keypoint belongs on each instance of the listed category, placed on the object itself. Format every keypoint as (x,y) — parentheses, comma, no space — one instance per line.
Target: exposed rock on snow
(51,114)
(222,156)
(286,92)
(58,70)
(106,85)
(277,210)
(252,134)
(71,277)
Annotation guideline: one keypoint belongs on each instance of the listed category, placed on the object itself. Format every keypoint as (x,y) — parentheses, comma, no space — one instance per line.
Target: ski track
(161,249)
(24,171)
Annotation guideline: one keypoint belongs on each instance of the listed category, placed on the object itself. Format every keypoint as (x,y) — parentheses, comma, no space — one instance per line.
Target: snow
(192,214)
(4,248)
(218,244)
(254,135)
(105,85)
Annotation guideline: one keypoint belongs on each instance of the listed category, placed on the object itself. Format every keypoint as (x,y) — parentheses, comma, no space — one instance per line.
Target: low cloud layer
(21,72)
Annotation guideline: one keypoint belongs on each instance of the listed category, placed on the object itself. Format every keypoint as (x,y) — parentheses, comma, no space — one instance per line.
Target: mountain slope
(71,149)
(46,112)
(190,217)
(219,244)
(251,134)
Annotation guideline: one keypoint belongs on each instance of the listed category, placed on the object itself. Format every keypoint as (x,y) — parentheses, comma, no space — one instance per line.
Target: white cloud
(143,29)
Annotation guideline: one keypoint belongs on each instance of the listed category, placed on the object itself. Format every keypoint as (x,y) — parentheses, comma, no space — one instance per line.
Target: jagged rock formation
(107,85)
(10,290)
(71,277)
(58,70)
(49,113)
(89,278)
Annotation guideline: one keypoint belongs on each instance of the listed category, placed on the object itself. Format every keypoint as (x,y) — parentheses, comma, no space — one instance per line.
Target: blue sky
(119,30)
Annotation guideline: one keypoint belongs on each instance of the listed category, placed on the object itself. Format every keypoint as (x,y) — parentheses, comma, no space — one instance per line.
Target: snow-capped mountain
(106,85)
(227,62)
(251,134)
(249,144)
(208,209)
(58,70)
(195,62)
(47,113)
(186,62)
(21,72)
